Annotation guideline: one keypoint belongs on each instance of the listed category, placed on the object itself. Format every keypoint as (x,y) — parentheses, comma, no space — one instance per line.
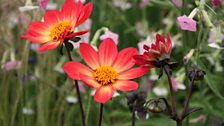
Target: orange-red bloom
(109,70)
(159,51)
(58,25)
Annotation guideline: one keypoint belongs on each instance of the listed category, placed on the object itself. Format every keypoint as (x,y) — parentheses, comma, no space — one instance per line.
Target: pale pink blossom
(110,34)
(23,18)
(52,6)
(83,1)
(176,85)
(122,4)
(12,65)
(86,26)
(178,3)
(141,28)
(141,45)
(27,8)
(200,118)
(81,87)
(214,39)
(186,23)
(144,3)
(34,46)
(43,4)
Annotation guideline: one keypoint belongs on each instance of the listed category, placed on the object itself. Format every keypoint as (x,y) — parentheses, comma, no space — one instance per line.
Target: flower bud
(193,13)
(196,74)
(207,20)
(155,106)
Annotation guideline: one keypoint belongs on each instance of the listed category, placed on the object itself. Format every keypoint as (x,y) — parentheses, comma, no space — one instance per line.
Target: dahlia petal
(104,93)
(132,73)
(168,43)
(73,70)
(159,39)
(89,55)
(85,14)
(124,60)
(139,59)
(125,85)
(107,52)
(162,47)
(39,27)
(39,40)
(90,81)
(69,10)
(52,17)
(48,46)
(77,34)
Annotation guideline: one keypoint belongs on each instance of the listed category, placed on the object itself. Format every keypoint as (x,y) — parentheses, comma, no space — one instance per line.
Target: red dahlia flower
(157,52)
(108,70)
(58,25)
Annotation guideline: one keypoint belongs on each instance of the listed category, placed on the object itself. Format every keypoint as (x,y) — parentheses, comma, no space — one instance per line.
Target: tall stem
(133,115)
(174,111)
(77,90)
(187,99)
(101,114)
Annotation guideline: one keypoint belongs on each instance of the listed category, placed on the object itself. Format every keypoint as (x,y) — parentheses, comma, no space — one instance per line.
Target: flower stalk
(101,115)
(187,99)
(77,89)
(133,114)
(184,113)
(174,111)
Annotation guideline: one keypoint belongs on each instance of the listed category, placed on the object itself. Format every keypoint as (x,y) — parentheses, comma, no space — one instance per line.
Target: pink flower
(86,25)
(216,3)
(34,46)
(176,85)
(141,28)
(110,34)
(178,3)
(141,45)
(43,4)
(186,23)
(23,18)
(200,118)
(144,3)
(81,87)
(12,65)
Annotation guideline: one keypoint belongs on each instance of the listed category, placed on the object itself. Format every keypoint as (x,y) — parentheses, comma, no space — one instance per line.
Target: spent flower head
(158,51)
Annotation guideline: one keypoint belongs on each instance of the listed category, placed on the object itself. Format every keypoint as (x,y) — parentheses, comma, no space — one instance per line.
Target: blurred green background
(39,93)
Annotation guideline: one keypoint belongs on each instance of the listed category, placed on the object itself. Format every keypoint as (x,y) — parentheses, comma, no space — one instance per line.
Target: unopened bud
(155,106)
(188,56)
(193,13)
(196,74)
(207,20)
(218,37)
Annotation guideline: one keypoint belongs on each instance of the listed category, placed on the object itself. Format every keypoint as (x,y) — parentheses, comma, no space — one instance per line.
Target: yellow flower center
(105,75)
(59,29)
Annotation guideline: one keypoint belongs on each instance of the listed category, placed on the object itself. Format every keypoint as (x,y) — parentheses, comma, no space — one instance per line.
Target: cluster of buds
(196,74)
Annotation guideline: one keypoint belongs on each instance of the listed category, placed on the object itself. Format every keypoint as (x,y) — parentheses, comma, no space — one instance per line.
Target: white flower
(28,111)
(160,91)
(71,99)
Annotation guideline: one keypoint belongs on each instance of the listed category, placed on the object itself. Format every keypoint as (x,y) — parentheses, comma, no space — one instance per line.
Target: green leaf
(208,78)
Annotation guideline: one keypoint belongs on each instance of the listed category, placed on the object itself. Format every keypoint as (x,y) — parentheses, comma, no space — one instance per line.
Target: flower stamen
(105,75)
(58,30)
